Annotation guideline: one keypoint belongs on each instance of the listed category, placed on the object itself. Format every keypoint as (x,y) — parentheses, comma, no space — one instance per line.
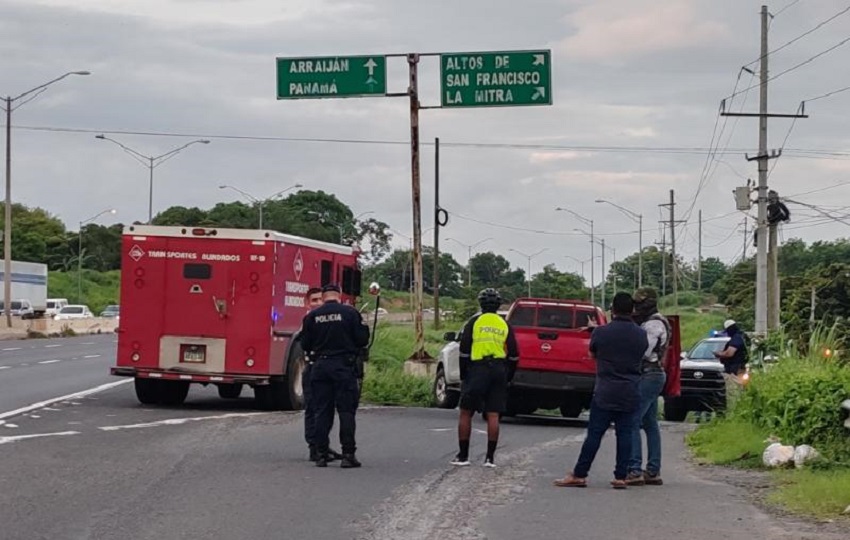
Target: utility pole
(812,309)
(762,285)
(437,233)
(746,240)
(773,294)
(663,245)
(672,224)
(699,254)
(419,347)
(602,242)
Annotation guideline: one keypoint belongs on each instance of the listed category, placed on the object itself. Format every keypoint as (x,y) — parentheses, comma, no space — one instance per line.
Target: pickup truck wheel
(674,410)
(571,410)
(147,391)
(294,396)
(230,391)
(444,397)
(173,392)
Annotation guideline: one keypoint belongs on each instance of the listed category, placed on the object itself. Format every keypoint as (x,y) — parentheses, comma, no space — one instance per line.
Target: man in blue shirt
(734,355)
(618,348)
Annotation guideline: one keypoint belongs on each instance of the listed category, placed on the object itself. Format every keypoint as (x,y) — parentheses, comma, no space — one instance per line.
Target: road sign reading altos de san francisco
(496,79)
(330,77)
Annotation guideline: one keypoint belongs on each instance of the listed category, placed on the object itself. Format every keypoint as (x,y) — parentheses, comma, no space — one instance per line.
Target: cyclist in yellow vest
(488,356)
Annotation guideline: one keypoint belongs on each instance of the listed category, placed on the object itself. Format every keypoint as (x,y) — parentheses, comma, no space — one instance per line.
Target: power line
(804,34)
(794,67)
(828,94)
(534,231)
(686,150)
(790,4)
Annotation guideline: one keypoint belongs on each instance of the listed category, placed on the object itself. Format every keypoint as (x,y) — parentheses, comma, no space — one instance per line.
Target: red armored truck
(221,306)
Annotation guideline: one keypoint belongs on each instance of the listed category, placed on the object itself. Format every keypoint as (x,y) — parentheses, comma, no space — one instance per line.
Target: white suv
(74,312)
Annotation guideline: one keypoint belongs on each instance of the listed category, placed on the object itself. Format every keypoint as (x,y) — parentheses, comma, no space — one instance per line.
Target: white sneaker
(489,463)
(460,462)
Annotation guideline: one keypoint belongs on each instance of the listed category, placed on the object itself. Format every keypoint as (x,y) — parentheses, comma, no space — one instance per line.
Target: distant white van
(54,305)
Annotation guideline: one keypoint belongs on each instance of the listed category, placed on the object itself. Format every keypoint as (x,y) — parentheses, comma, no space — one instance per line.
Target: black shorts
(485,387)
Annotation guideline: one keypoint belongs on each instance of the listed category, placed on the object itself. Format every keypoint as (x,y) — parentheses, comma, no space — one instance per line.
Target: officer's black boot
(349,462)
(322,461)
(314,453)
(333,455)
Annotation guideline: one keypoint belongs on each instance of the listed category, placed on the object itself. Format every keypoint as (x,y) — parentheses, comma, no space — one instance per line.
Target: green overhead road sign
(496,79)
(331,76)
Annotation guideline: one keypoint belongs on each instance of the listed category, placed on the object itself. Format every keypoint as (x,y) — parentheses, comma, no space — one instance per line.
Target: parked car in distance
(73,312)
(54,305)
(111,312)
(703,383)
(20,308)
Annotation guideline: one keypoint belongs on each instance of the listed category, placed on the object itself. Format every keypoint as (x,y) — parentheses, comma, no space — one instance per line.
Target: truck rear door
(549,339)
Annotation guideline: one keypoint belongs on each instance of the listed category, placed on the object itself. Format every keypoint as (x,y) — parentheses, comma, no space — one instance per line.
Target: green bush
(798,400)
(99,289)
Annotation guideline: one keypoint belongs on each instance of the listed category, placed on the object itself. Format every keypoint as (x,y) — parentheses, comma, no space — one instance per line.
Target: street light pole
(592,251)
(639,218)
(469,249)
(529,257)
(259,202)
(80,252)
(7,231)
(151,162)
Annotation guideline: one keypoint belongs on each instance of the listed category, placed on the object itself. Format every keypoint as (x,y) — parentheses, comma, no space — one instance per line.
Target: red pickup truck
(555,368)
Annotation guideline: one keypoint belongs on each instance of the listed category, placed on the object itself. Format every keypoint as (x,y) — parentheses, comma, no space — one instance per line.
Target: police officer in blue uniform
(333,336)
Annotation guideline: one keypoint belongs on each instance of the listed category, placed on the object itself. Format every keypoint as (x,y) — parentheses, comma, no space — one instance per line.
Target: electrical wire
(534,231)
(804,34)
(794,67)
(828,94)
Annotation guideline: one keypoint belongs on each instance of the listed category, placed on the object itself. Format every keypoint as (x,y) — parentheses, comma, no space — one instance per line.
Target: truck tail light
(249,362)
(136,356)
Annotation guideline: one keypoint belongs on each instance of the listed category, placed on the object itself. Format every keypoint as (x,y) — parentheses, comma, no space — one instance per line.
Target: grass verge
(385,382)
(819,492)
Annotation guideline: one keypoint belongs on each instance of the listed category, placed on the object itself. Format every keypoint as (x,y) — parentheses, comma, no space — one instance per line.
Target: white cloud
(617,31)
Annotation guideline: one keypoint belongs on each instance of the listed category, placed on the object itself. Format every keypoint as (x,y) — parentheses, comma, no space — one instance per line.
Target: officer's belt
(488,360)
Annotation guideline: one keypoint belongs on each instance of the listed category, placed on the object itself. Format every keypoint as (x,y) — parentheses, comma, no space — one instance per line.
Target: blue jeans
(600,421)
(651,386)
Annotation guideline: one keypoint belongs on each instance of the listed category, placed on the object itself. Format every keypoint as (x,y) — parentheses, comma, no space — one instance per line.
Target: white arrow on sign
(370,65)
(540,93)
(539,59)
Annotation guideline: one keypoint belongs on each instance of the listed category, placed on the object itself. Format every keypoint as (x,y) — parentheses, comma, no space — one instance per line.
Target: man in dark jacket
(332,336)
(619,348)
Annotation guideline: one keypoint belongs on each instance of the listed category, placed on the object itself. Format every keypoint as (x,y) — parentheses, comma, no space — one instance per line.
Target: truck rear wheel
(230,391)
(147,391)
(173,392)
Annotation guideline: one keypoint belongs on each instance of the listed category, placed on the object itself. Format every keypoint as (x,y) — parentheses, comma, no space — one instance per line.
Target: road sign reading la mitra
(331,76)
(496,79)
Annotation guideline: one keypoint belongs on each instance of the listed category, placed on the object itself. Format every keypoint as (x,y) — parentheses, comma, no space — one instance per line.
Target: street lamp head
(101,136)
(81,73)
(298,186)
(204,141)
(113,211)
(222,187)
(601,200)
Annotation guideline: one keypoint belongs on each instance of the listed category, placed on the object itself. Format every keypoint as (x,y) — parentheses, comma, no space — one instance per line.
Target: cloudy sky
(626,73)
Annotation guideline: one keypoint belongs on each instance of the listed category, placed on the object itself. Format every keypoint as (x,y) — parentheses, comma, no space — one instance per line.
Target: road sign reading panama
(330,77)
(496,79)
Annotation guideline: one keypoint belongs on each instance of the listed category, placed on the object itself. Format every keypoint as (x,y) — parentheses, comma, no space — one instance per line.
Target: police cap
(331,287)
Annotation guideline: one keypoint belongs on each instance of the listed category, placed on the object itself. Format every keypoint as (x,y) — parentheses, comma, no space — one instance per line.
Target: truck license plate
(196,354)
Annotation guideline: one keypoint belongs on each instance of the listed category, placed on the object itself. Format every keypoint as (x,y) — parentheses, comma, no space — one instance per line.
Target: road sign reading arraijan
(496,79)
(331,77)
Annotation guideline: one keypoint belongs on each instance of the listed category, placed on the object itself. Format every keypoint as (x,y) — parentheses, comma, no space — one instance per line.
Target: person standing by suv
(734,355)
(652,380)
(618,347)
(488,356)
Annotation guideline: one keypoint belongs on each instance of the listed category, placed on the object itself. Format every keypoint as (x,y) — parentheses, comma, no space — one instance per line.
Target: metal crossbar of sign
(479,79)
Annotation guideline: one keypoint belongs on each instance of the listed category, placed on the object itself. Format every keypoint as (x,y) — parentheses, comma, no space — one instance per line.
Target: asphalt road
(104,467)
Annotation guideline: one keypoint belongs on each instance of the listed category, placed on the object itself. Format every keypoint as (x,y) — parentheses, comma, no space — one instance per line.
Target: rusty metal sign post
(478,79)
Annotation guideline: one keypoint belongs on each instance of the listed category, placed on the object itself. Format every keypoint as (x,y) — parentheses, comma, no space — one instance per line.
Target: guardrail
(846,407)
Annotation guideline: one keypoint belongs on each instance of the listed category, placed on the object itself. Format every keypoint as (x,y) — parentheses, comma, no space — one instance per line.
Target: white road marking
(34,416)
(178,421)
(92,356)
(16,438)
(13,426)
(50,361)
(88,343)
(51,409)
(51,346)
(77,395)
(443,429)
(12,349)
(5,367)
